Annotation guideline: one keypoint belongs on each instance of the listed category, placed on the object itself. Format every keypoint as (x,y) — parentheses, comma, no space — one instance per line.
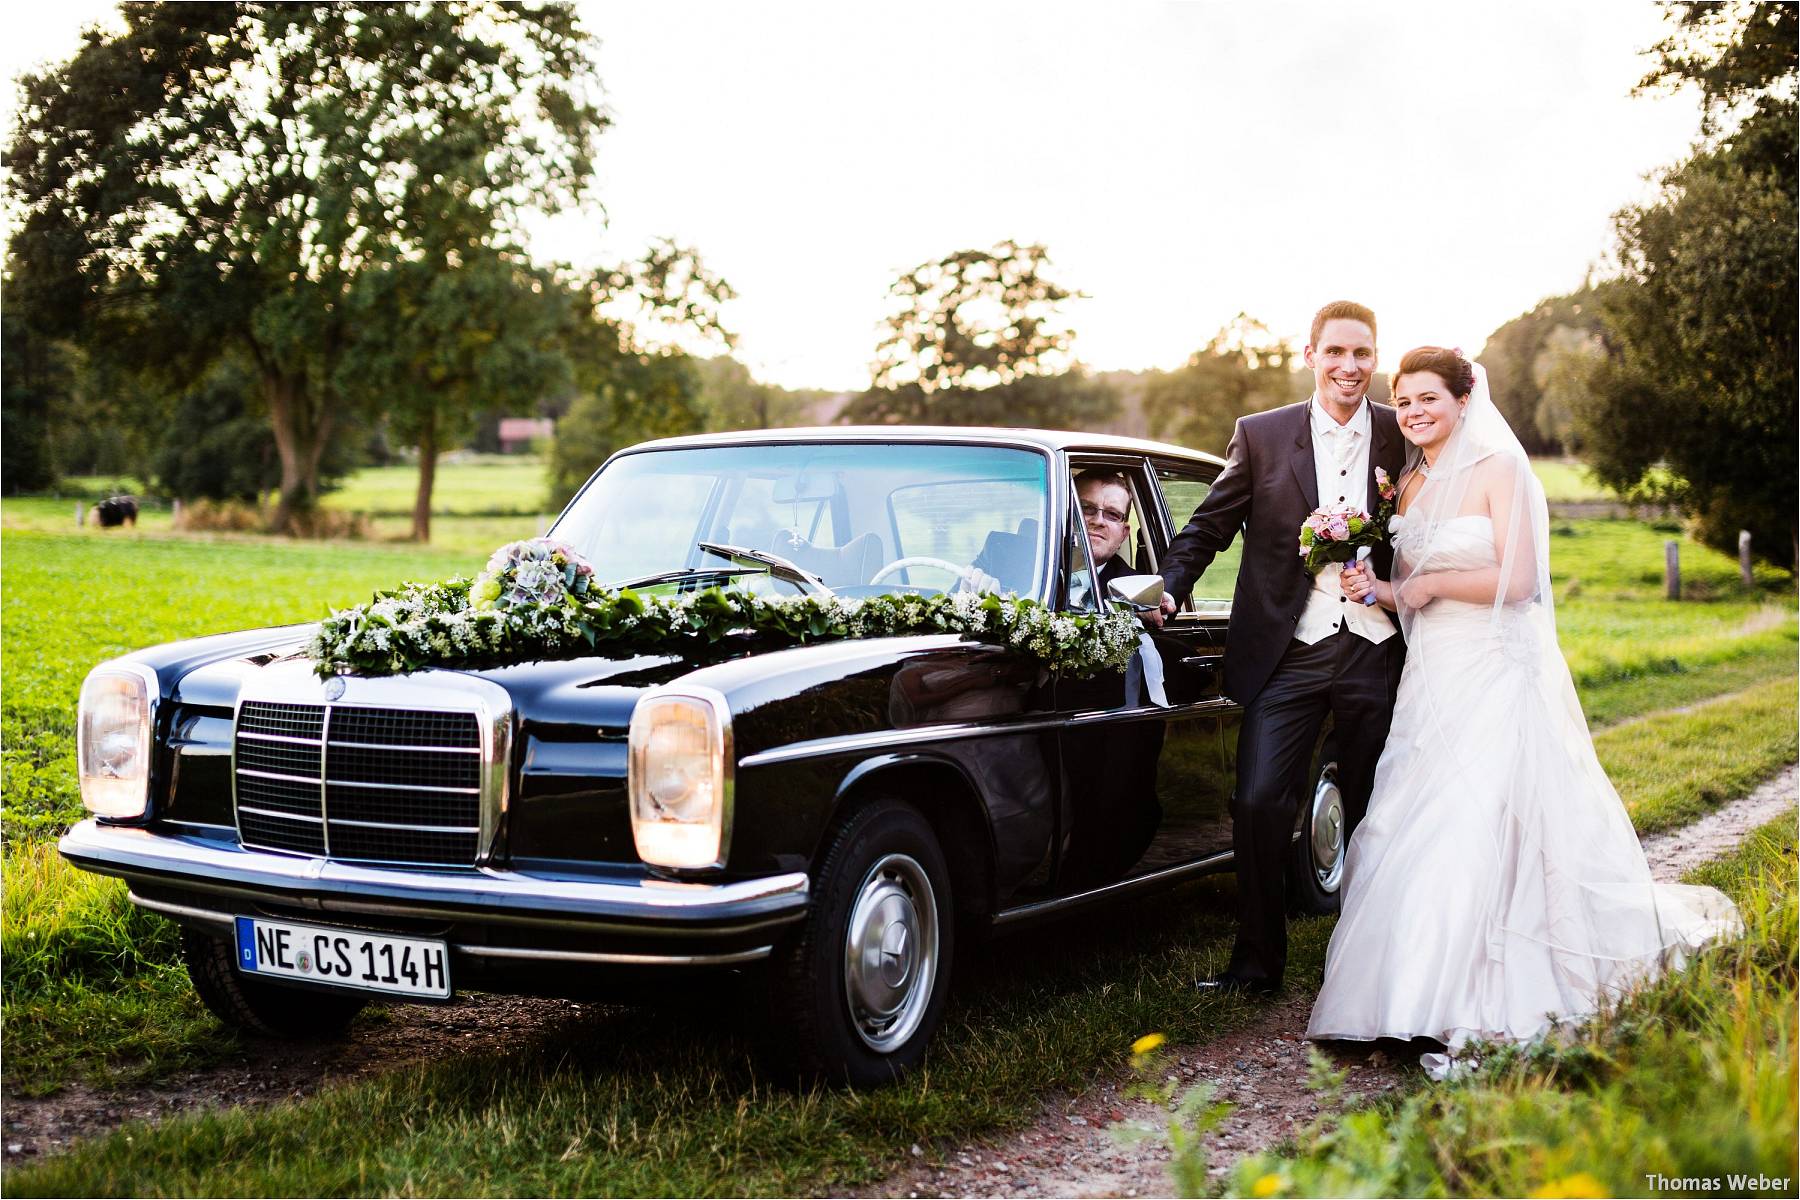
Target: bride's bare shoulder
(1500,472)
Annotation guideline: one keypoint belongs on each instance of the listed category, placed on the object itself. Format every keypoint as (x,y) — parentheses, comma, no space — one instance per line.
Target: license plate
(353,958)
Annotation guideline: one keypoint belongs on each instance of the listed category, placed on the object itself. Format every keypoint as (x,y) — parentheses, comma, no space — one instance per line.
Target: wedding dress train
(1496,887)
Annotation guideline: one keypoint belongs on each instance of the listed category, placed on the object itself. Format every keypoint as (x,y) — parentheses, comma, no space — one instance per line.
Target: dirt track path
(1069,1150)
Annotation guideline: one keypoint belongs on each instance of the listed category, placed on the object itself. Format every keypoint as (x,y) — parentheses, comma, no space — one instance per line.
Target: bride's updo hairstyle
(1448,365)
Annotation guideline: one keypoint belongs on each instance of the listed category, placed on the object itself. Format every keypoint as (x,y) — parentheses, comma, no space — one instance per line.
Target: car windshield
(862,518)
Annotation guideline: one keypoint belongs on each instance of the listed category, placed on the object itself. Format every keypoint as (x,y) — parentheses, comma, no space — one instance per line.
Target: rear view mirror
(803,488)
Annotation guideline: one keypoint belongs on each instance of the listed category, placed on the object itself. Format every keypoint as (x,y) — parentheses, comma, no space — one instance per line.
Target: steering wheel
(922,560)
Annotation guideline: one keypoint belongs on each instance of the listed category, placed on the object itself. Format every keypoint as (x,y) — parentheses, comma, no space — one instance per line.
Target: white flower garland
(537,600)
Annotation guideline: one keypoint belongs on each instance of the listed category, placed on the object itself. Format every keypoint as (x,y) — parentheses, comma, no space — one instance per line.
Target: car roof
(1040,439)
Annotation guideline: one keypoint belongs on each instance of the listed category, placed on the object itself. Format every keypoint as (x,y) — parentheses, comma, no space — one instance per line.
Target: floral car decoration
(538,600)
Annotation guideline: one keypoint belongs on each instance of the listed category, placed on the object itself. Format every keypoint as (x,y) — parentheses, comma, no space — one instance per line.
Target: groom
(1301,648)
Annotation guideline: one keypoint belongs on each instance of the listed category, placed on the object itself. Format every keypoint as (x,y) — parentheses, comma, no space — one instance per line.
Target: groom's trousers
(1348,678)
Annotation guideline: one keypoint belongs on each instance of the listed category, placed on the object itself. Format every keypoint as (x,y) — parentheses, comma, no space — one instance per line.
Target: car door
(1140,778)
(1198,634)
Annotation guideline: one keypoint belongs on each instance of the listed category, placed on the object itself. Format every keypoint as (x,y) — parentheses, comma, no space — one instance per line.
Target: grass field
(633,1101)
(485,486)
(1567,481)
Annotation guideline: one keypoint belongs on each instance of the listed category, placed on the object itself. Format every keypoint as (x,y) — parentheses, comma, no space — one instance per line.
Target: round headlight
(112,739)
(680,768)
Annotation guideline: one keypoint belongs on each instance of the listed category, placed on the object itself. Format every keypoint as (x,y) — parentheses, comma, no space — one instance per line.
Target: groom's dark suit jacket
(1268,488)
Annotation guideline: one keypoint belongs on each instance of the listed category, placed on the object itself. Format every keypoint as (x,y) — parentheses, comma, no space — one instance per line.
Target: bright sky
(1447,164)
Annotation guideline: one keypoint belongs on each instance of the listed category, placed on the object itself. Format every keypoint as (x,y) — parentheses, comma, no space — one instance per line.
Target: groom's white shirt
(1341,458)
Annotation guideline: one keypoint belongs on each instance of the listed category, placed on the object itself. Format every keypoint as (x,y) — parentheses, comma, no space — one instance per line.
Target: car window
(952,519)
(1078,590)
(1183,488)
(760,511)
(865,517)
(1134,551)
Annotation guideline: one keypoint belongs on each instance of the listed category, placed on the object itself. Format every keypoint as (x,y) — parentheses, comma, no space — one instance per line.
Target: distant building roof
(523,429)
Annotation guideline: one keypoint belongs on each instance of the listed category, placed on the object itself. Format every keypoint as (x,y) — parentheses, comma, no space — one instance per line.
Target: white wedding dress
(1495,888)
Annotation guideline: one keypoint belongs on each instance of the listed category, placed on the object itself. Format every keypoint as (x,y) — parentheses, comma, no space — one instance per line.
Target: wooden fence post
(1672,569)
(1744,571)
(78,514)
(175,512)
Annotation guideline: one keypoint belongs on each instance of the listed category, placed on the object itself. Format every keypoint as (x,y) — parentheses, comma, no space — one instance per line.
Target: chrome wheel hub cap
(1327,835)
(890,952)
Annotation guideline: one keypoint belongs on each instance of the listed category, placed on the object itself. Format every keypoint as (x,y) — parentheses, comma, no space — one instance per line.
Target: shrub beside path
(1073,1149)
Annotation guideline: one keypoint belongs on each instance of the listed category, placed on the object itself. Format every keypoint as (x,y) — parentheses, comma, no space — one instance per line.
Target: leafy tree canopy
(973,319)
(1518,357)
(979,338)
(1700,325)
(222,176)
(1242,369)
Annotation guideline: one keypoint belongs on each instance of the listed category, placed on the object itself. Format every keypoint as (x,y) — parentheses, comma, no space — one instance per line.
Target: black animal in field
(116,510)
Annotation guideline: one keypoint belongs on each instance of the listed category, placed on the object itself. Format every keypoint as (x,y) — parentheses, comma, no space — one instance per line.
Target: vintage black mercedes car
(837,817)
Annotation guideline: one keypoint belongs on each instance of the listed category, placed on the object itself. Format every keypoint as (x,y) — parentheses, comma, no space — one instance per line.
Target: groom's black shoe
(1225,983)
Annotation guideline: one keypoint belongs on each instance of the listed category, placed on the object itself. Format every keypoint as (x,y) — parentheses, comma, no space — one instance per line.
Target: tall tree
(1700,327)
(979,337)
(632,382)
(973,319)
(1242,369)
(475,332)
(1514,357)
(221,176)
(35,379)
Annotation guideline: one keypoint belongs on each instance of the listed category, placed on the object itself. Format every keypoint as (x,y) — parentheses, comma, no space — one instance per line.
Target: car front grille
(359,783)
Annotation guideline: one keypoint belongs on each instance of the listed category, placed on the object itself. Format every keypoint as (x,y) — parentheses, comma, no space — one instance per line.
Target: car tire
(1315,872)
(859,989)
(253,1005)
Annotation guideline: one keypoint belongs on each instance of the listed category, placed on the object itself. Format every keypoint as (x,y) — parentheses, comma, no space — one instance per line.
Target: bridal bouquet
(1338,533)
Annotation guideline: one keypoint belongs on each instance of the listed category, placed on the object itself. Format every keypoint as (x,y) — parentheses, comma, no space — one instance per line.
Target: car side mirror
(1139,593)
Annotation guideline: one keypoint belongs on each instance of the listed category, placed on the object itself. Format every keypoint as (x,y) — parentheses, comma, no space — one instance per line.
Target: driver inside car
(1105,501)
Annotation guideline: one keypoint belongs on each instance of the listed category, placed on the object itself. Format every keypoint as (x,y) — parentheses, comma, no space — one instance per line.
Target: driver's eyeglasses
(1113,515)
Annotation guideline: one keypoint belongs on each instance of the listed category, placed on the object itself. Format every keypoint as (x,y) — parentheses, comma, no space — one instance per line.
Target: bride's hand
(1418,591)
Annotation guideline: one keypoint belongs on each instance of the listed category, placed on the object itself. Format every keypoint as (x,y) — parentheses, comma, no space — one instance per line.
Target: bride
(1496,887)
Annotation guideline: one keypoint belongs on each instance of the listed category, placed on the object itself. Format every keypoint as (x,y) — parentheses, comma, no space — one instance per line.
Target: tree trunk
(302,430)
(283,393)
(421,529)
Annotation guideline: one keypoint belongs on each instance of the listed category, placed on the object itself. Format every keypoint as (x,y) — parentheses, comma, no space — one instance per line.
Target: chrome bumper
(194,873)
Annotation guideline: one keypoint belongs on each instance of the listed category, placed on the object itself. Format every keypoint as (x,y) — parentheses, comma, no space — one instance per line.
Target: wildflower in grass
(1267,1185)
(1147,1043)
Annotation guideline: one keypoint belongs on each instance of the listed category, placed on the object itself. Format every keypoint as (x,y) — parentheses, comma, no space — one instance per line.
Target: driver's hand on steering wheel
(977,580)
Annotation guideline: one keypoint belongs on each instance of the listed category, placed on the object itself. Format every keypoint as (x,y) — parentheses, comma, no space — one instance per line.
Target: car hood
(597,692)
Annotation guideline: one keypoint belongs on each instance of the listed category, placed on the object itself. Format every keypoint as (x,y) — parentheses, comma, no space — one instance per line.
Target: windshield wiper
(781,568)
(687,573)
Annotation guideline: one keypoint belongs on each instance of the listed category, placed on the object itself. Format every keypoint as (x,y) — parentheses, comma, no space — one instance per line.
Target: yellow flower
(1579,1186)
(1147,1043)
(1267,1185)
